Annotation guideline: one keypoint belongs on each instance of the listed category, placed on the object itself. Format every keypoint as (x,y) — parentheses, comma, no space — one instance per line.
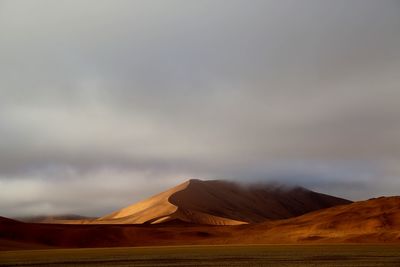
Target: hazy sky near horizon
(103,103)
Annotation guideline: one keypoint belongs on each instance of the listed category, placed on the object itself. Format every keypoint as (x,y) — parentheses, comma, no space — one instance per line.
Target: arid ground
(250,255)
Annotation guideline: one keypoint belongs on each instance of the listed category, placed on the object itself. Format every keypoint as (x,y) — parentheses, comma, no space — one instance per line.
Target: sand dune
(156,208)
(222,203)
(371,221)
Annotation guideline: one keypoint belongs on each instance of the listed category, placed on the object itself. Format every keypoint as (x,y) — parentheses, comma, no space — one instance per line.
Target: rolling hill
(57,219)
(375,220)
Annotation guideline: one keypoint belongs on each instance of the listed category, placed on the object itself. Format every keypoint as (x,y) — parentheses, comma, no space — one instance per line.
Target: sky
(104,103)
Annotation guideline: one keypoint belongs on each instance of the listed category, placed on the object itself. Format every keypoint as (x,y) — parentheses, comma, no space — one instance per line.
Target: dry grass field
(250,255)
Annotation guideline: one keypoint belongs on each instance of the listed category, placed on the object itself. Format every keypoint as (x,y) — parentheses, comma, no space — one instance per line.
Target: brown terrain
(372,221)
(58,219)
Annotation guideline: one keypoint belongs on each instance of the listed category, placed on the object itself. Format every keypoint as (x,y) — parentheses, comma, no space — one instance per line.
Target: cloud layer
(115,100)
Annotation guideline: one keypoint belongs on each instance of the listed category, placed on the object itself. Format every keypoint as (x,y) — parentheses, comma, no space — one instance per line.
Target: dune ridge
(154,208)
(219,202)
(160,209)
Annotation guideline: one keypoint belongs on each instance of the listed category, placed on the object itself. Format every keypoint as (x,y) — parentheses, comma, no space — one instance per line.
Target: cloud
(92,193)
(210,89)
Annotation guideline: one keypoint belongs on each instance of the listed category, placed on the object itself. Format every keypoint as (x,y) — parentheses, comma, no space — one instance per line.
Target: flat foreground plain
(241,255)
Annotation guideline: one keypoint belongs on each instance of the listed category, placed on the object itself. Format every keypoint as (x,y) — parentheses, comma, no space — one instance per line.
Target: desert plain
(215,223)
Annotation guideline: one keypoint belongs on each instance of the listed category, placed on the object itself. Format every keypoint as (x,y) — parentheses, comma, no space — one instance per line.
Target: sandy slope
(222,203)
(372,221)
(156,208)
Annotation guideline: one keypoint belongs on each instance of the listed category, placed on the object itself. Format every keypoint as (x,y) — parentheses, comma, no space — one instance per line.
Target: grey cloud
(208,89)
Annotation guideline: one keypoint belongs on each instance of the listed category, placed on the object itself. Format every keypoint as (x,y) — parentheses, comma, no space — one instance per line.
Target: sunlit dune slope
(222,203)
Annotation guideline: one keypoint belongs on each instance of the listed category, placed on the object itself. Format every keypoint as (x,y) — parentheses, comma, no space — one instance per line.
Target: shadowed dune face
(250,204)
(372,221)
(222,203)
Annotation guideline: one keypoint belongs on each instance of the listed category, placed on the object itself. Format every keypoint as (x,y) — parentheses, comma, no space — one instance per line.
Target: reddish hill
(222,203)
(4,220)
(57,219)
(374,220)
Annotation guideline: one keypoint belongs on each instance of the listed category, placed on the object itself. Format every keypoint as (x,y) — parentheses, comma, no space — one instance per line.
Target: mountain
(219,202)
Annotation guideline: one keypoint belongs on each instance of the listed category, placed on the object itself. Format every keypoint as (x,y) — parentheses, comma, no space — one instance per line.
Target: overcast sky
(103,103)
